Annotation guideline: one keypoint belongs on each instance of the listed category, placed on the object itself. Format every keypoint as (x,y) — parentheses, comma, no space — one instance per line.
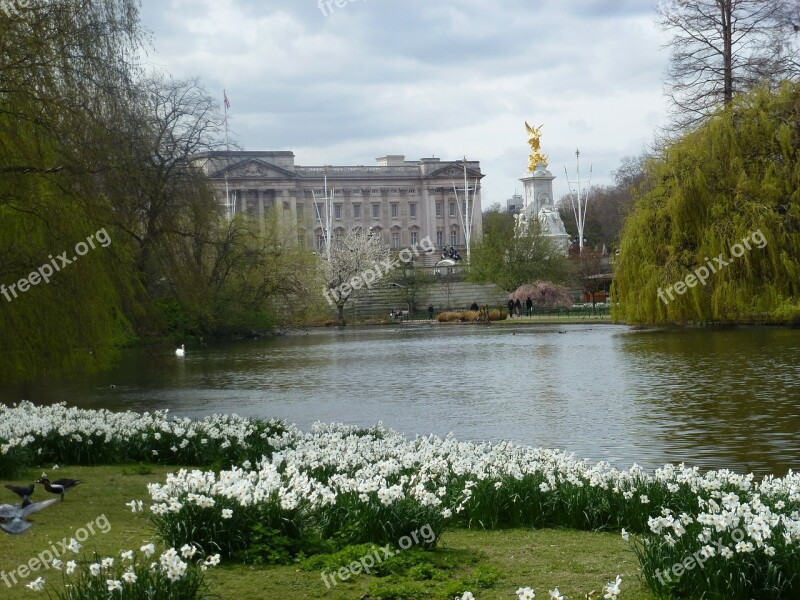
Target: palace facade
(403,201)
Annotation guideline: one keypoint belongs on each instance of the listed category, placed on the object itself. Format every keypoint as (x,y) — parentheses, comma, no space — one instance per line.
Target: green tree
(62,83)
(736,178)
(407,280)
(510,258)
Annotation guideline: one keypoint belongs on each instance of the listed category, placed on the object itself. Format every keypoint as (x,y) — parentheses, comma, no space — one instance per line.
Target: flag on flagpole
(227,102)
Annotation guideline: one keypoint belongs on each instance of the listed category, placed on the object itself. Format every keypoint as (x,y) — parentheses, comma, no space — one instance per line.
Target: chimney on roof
(391,160)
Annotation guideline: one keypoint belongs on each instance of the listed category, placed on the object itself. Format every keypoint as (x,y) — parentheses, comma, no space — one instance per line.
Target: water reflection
(712,398)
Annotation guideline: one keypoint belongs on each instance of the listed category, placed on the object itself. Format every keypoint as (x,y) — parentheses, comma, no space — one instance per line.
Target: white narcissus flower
(212,561)
(612,590)
(113,585)
(556,595)
(129,577)
(525,593)
(37,585)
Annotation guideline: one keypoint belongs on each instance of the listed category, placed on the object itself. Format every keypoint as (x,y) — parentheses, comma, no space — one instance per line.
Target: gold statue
(534,133)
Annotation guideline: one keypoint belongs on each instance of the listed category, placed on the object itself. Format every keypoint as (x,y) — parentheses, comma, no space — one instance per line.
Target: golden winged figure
(536,157)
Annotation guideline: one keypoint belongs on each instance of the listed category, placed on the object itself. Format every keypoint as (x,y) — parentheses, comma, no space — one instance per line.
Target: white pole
(580,211)
(588,191)
(231,209)
(328,207)
(468,228)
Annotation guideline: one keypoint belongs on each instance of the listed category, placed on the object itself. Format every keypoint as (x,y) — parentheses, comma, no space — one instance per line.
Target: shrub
(132,576)
(544,294)
(448,317)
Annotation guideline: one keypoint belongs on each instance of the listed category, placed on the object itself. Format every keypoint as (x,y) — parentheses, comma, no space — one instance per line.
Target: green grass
(572,320)
(490,564)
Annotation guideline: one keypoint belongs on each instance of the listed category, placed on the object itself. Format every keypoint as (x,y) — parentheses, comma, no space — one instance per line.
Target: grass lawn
(573,320)
(490,564)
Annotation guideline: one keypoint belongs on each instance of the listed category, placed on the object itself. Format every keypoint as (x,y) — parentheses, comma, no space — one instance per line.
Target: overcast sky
(443,78)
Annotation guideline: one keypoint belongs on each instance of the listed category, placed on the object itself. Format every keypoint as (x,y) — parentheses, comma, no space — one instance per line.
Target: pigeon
(59,486)
(22,492)
(15,515)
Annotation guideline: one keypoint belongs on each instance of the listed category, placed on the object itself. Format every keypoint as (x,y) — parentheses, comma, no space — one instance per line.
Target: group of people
(450,253)
(515,307)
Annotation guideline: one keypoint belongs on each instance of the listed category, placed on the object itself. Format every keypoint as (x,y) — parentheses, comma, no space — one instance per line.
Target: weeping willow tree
(64,79)
(723,199)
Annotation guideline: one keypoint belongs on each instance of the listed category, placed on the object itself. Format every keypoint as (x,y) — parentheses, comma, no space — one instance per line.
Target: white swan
(180,351)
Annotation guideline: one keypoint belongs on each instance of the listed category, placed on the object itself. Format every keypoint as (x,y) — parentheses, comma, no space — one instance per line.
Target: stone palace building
(403,201)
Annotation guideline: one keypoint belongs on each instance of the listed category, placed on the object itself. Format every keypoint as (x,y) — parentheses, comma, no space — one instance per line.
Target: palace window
(439,238)
(395,239)
(413,238)
(412,210)
(320,242)
(452,209)
(439,209)
(454,237)
(337,212)
(356,211)
(376,211)
(395,210)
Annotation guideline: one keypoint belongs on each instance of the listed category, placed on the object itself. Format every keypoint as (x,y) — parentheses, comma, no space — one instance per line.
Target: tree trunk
(727,53)
(341,312)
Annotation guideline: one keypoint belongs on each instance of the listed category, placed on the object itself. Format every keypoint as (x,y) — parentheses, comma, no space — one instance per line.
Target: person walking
(430,312)
(510,308)
(529,306)
(518,306)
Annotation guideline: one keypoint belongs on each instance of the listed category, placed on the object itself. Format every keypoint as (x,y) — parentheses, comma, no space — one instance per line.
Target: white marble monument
(538,194)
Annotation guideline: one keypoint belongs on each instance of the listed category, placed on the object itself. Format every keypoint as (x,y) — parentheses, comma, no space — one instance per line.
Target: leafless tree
(724,47)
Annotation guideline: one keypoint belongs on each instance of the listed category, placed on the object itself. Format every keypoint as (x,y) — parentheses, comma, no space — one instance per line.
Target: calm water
(711,398)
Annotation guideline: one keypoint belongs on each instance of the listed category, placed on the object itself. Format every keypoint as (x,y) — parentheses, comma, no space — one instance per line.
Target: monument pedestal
(540,205)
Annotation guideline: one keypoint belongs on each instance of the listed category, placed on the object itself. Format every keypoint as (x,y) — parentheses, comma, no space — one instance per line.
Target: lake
(712,398)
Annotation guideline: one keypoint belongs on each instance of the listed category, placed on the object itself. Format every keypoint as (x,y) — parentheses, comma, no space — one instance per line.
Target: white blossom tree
(358,260)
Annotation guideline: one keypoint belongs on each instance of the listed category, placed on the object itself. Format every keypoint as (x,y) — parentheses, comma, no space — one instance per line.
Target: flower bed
(284,493)
(39,435)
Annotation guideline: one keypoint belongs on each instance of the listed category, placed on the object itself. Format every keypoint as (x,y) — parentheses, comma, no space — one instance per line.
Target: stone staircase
(382,299)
